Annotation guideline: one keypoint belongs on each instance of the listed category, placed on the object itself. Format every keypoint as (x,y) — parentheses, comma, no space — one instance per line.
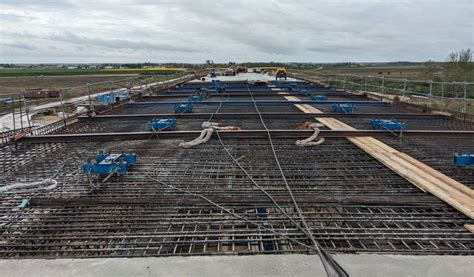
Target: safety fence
(452,97)
(84,95)
(52,127)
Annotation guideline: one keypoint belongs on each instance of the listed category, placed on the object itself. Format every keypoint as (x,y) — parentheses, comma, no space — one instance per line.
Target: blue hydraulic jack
(388,124)
(321,98)
(347,108)
(463,159)
(109,164)
(183,108)
(218,86)
(291,86)
(162,124)
(195,98)
(304,92)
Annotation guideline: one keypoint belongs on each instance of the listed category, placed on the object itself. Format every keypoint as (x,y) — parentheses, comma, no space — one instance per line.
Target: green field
(18,72)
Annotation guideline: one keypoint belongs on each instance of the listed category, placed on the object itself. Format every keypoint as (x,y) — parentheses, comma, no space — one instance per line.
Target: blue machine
(319,98)
(112,97)
(464,159)
(108,163)
(348,108)
(388,124)
(218,86)
(162,124)
(25,202)
(291,86)
(183,108)
(195,98)
(304,92)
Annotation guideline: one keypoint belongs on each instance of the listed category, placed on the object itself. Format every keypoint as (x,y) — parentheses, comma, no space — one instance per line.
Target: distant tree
(429,70)
(460,66)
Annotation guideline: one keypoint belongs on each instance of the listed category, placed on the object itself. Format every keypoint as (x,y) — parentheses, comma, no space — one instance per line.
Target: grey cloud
(118,43)
(18,45)
(11,17)
(196,30)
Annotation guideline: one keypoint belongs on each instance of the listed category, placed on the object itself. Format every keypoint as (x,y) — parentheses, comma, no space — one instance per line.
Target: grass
(18,72)
(4,108)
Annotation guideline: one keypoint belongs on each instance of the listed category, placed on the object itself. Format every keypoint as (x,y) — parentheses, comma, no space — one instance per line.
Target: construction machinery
(214,73)
(219,86)
(304,92)
(321,98)
(183,108)
(241,69)
(162,124)
(280,73)
(388,124)
(347,108)
(462,160)
(291,86)
(203,92)
(229,72)
(113,97)
(107,163)
(195,98)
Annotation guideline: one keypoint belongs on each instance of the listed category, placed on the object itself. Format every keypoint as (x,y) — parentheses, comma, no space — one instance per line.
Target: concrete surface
(242,77)
(260,265)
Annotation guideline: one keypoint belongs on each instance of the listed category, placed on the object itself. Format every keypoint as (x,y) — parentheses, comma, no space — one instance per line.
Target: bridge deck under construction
(351,202)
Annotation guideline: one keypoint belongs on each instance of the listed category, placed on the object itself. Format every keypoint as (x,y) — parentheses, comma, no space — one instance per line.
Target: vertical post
(26,107)
(365,84)
(442,97)
(430,95)
(345,80)
(465,97)
(62,106)
(21,111)
(148,85)
(404,87)
(383,85)
(89,95)
(111,105)
(13,111)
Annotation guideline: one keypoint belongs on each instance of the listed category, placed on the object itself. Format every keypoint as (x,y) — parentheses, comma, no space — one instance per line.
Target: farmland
(38,71)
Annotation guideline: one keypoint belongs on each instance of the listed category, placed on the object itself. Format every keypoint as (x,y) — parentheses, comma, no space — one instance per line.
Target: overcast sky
(264,30)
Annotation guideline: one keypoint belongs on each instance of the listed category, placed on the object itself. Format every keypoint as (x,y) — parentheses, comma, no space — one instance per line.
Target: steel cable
(330,265)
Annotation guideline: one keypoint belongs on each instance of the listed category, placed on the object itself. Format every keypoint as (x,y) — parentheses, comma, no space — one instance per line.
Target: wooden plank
(421,175)
(469,227)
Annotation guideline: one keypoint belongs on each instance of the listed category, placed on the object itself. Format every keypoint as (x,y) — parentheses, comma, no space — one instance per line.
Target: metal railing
(452,97)
(52,127)
(144,85)
(6,137)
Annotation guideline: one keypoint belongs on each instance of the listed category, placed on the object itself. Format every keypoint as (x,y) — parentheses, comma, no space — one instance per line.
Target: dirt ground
(13,85)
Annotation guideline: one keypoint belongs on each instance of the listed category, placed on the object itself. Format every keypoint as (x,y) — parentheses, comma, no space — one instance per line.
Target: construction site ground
(377,214)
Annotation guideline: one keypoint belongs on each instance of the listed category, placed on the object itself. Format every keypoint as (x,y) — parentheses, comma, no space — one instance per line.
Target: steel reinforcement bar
(244,134)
